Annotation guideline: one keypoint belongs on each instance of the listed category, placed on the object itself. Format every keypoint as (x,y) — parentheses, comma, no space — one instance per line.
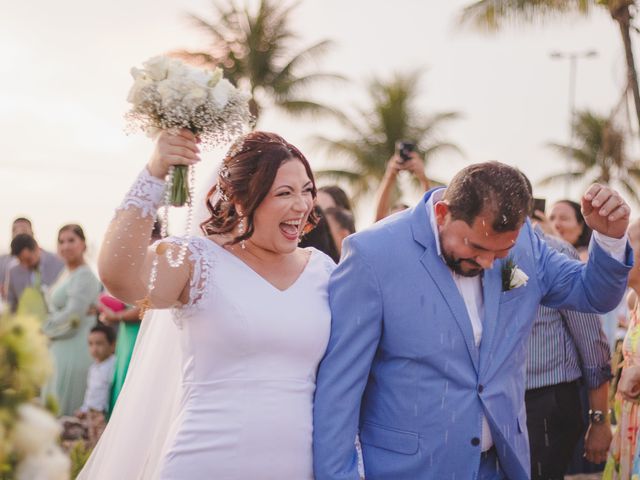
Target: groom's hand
(605,211)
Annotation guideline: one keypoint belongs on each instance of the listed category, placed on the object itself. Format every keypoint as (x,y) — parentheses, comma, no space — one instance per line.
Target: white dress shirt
(99,380)
(470,289)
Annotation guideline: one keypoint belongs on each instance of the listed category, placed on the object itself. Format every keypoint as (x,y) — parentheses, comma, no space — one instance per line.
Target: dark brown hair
(320,237)
(339,196)
(246,176)
(585,235)
(493,188)
(21,242)
(108,332)
(343,217)
(74,228)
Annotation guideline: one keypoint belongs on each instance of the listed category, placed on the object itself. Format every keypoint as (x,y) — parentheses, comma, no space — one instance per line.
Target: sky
(64,78)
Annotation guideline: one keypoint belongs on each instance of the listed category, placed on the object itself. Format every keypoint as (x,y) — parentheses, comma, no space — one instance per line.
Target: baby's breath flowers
(169,95)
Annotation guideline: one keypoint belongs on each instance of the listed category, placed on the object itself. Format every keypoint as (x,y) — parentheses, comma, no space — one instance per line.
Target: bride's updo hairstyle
(246,176)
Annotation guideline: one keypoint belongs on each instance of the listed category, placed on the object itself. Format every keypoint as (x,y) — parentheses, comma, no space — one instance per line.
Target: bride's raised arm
(126,259)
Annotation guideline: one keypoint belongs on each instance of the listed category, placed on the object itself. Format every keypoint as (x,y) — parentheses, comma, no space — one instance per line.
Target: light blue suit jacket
(402,368)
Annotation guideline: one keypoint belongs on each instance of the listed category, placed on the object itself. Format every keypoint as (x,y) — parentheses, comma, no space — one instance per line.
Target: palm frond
(585,158)
(371,134)
(438,148)
(298,60)
(339,148)
(292,85)
(254,47)
(631,188)
(492,15)
(299,108)
(337,174)
(558,177)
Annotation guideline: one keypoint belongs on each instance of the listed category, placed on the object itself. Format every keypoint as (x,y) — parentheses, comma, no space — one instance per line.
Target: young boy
(96,398)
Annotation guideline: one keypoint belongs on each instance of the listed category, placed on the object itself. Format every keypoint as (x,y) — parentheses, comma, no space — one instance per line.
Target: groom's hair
(490,188)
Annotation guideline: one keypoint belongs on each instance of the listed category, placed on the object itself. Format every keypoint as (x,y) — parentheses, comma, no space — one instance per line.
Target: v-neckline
(263,279)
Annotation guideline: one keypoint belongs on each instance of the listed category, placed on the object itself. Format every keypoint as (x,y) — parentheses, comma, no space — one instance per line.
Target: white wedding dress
(250,353)
(225,390)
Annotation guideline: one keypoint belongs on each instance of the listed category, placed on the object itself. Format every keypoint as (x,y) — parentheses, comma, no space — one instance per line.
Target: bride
(229,392)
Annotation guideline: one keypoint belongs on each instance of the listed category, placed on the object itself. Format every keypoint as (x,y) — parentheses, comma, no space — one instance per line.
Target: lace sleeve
(124,260)
(201,282)
(145,195)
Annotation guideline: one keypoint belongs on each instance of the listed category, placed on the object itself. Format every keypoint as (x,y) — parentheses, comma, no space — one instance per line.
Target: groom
(432,309)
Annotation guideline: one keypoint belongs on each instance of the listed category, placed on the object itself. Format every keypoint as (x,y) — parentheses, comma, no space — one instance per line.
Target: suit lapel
(442,277)
(491,289)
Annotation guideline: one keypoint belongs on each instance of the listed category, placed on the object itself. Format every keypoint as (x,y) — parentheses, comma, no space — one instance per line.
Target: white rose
(169,91)
(35,430)
(158,67)
(195,97)
(177,69)
(518,278)
(216,76)
(220,94)
(142,80)
(199,76)
(49,464)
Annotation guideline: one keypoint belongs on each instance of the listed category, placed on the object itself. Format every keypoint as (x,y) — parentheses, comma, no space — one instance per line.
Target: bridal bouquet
(169,95)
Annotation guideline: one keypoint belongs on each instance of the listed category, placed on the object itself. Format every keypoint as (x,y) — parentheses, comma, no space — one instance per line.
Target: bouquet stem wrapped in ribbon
(180,187)
(169,95)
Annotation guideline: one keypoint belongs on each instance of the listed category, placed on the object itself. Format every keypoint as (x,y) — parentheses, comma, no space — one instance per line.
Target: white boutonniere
(512,276)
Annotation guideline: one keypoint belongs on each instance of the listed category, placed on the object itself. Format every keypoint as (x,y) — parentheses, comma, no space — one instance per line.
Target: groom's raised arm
(356,326)
(597,286)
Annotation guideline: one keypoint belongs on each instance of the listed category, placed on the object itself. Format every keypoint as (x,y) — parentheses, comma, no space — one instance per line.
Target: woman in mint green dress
(71,304)
(127,320)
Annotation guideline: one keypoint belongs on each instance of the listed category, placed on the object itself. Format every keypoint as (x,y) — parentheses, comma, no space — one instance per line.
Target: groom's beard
(456,265)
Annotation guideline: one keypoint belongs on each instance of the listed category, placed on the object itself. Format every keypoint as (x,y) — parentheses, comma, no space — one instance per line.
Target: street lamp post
(573,64)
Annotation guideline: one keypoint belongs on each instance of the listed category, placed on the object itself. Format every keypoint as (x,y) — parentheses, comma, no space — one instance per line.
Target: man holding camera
(407,159)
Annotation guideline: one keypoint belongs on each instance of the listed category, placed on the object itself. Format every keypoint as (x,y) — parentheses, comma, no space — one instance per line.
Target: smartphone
(404,149)
(539,204)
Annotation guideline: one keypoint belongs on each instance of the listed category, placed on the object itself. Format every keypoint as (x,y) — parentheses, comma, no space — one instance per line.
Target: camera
(539,204)
(404,149)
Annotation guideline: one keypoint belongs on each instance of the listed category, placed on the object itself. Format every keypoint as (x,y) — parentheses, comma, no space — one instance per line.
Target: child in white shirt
(96,398)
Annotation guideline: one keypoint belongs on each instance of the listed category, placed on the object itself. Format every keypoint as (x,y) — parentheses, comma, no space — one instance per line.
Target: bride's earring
(242,229)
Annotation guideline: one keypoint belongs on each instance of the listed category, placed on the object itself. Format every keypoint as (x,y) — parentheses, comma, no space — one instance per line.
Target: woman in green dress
(71,304)
(112,313)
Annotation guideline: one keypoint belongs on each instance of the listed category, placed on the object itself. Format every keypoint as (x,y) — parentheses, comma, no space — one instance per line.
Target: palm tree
(371,137)
(254,49)
(494,14)
(600,155)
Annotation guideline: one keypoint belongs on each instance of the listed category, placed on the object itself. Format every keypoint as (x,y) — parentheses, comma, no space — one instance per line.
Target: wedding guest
(565,347)
(331,196)
(19,225)
(388,187)
(341,225)
(36,270)
(567,219)
(321,237)
(70,319)
(623,463)
(101,341)
(126,319)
